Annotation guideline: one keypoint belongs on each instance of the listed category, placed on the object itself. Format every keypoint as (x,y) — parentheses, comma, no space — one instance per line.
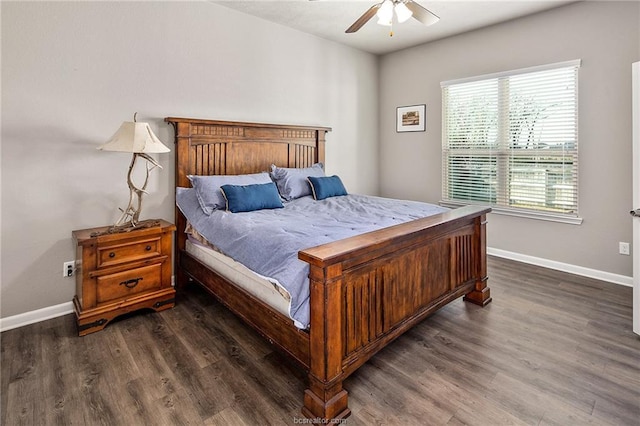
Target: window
(510,140)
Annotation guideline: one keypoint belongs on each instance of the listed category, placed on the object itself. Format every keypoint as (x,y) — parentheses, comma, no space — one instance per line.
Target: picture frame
(411,118)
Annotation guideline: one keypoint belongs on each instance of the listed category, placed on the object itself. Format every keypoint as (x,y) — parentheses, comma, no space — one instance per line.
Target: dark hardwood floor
(551,349)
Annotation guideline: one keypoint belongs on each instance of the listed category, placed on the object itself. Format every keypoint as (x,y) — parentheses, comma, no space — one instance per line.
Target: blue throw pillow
(325,187)
(247,198)
(208,188)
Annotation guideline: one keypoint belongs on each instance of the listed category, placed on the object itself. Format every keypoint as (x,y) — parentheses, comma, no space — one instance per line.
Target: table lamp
(137,138)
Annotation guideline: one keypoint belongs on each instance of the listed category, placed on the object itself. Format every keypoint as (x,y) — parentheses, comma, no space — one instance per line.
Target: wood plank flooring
(551,349)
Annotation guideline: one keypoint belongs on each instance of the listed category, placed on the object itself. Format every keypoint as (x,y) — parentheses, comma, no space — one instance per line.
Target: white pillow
(292,183)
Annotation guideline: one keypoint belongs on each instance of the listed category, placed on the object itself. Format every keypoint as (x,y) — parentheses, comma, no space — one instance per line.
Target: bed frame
(365,291)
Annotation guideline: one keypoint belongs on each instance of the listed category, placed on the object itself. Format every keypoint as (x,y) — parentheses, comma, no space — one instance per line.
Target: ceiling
(330,18)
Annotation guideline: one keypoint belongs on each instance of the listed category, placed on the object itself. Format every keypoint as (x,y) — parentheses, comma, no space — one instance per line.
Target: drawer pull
(112,255)
(131,283)
(148,248)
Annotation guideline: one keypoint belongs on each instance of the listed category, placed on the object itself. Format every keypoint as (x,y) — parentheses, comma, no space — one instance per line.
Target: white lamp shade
(385,13)
(134,137)
(402,12)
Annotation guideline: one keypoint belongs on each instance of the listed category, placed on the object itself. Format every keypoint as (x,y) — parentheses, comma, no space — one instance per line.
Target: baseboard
(38,315)
(564,267)
(43,314)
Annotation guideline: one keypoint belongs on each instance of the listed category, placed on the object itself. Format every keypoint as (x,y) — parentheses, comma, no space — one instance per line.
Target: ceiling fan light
(385,12)
(402,12)
(387,23)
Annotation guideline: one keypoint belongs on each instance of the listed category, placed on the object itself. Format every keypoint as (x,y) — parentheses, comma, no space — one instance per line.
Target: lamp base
(127,227)
(130,215)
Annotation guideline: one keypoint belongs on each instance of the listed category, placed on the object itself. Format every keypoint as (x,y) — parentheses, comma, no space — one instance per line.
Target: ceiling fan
(404,9)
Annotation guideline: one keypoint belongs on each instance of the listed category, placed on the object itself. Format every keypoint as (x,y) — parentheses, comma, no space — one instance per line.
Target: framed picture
(411,118)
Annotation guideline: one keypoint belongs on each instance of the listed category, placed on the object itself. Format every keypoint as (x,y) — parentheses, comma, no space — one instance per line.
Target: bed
(365,290)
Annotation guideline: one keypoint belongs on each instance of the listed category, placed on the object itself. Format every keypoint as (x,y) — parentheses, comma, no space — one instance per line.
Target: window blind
(510,140)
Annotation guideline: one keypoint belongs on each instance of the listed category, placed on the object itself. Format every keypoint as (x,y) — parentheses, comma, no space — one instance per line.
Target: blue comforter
(268,241)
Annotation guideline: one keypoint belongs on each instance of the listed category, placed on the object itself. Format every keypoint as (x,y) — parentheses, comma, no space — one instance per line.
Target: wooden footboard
(369,289)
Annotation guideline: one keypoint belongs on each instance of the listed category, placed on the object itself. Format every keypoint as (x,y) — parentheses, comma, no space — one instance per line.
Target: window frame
(505,154)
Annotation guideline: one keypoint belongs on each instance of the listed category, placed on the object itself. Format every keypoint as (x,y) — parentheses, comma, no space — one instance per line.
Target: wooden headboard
(210,147)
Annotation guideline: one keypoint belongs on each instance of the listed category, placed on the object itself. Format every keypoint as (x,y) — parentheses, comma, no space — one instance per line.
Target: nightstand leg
(96,319)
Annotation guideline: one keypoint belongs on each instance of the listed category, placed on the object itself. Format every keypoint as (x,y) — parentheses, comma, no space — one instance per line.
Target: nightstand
(121,272)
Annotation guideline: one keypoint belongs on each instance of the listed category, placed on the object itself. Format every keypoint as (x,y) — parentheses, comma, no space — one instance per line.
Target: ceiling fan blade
(422,14)
(363,19)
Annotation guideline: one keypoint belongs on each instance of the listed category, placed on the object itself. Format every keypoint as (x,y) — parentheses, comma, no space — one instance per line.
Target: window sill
(550,217)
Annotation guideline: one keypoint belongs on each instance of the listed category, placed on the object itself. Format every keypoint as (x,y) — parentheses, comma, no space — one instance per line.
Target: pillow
(325,187)
(187,201)
(292,183)
(208,188)
(247,198)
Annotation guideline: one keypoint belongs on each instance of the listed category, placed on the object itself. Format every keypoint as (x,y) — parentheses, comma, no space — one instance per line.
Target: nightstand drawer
(127,252)
(128,283)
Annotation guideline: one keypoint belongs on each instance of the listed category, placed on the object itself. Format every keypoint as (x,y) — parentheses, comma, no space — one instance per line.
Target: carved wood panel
(218,147)
(384,294)
(301,156)
(213,130)
(208,159)
(462,255)
(212,158)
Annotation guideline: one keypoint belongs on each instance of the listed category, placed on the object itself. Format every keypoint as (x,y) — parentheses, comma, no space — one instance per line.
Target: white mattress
(266,289)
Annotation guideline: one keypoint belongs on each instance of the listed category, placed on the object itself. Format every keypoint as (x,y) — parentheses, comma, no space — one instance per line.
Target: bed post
(325,398)
(181,131)
(481,294)
(320,145)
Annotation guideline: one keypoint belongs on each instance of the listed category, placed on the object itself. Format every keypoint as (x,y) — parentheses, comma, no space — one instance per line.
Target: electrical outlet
(624,248)
(68,268)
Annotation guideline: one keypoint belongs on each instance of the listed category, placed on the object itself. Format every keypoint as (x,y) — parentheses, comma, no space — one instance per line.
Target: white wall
(606,36)
(72,72)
